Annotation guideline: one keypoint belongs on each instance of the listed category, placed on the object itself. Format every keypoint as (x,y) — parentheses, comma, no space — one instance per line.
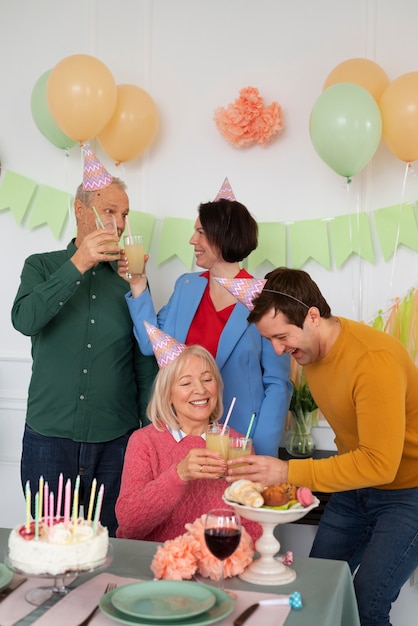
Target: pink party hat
(243,289)
(166,349)
(95,176)
(225,192)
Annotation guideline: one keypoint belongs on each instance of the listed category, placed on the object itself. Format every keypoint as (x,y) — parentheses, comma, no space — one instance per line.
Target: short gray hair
(87,197)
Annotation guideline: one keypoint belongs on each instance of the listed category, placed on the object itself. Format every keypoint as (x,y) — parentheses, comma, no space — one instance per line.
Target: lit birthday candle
(67,502)
(28,505)
(59,495)
(91,501)
(98,508)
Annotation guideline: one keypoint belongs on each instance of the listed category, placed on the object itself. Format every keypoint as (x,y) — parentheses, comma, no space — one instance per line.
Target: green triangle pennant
(174,241)
(42,213)
(350,234)
(309,239)
(16,192)
(396,225)
(271,246)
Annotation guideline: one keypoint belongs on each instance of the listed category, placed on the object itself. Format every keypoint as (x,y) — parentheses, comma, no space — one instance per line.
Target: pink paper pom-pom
(247,121)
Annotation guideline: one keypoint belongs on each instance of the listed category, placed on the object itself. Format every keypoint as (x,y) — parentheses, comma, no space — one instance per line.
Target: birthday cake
(58,549)
(53,544)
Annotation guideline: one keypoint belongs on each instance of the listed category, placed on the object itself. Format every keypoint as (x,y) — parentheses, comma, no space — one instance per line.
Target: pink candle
(51,512)
(46,502)
(67,501)
(59,496)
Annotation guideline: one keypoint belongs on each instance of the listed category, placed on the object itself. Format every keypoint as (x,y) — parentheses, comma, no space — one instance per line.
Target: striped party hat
(166,348)
(95,176)
(243,289)
(225,192)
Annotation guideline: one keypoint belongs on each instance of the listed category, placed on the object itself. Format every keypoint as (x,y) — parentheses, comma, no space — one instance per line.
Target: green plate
(224,605)
(6,576)
(163,600)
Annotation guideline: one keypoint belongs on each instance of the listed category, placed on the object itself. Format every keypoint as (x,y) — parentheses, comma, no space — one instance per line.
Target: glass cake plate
(60,582)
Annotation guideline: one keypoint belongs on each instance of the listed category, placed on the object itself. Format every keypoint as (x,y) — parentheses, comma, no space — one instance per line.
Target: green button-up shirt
(89,381)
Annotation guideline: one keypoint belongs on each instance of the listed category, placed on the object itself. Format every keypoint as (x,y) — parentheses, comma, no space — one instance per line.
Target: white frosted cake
(58,549)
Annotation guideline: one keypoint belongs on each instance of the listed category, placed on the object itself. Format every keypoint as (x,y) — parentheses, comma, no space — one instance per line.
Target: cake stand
(266,570)
(47,595)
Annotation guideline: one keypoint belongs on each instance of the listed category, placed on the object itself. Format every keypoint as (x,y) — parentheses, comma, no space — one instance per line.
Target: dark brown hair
(291,292)
(230,227)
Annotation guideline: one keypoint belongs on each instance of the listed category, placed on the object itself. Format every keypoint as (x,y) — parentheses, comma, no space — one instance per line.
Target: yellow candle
(75,504)
(91,501)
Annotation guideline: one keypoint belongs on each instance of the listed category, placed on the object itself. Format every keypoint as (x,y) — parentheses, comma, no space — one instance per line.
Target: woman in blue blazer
(202,311)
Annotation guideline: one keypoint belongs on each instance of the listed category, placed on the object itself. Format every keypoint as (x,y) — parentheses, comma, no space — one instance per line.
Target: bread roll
(245,492)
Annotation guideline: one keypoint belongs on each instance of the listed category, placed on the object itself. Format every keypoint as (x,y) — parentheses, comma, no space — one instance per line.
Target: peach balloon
(133,125)
(399,109)
(81,95)
(363,72)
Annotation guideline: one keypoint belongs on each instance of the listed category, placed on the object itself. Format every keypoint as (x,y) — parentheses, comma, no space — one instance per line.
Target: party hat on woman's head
(243,289)
(166,348)
(225,192)
(95,176)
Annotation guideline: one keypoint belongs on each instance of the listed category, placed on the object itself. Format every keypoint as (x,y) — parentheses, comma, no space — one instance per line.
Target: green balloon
(43,118)
(345,127)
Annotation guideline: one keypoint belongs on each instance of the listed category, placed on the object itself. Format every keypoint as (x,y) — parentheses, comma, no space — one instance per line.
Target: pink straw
(128,226)
(228,416)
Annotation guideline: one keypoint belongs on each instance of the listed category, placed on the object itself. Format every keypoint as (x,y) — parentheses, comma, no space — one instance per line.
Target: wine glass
(222,536)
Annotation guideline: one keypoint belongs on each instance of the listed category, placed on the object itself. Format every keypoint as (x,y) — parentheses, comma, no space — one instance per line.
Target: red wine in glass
(222,535)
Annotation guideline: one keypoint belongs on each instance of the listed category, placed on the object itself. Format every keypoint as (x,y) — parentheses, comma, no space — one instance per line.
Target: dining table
(326,588)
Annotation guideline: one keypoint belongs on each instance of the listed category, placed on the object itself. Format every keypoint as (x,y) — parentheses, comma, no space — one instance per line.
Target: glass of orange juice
(239,446)
(217,439)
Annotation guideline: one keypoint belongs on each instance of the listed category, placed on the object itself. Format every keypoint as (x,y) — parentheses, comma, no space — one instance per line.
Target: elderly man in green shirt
(90,383)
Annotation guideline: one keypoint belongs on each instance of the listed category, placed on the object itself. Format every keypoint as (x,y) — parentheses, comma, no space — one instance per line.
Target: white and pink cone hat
(243,289)
(225,192)
(165,347)
(95,176)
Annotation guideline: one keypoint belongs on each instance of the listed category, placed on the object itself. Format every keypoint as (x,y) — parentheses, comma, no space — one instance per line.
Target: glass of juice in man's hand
(134,251)
(239,446)
(107,221)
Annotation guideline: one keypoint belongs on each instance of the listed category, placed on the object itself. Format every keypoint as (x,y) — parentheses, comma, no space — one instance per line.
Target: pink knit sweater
(154,503)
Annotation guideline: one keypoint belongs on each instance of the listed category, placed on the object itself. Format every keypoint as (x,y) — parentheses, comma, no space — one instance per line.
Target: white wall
(192,57)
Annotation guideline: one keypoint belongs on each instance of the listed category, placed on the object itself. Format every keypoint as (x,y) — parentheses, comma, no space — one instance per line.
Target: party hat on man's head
(95,176)
(166,348)
(243,289)
(225,192)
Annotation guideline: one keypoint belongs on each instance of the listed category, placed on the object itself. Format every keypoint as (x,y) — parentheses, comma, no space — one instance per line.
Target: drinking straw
(128,226)
(98,217)
(247,436)
(228,416)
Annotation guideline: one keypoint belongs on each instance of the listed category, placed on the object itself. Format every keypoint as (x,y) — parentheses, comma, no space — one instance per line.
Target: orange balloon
(81,95)
(133,125)
(399,109)
(363,72)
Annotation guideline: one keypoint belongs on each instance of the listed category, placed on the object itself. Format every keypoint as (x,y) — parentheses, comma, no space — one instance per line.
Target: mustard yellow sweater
(367,388)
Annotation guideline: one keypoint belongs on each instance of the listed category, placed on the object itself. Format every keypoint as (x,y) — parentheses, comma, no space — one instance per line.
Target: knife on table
(294,601)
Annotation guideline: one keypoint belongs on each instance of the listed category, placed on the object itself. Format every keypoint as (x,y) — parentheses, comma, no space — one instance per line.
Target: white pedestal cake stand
(266,570)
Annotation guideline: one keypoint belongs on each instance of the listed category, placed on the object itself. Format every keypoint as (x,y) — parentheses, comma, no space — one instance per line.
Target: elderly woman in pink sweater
(169,477)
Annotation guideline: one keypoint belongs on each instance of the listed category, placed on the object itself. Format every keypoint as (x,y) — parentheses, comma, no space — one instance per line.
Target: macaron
(304,495)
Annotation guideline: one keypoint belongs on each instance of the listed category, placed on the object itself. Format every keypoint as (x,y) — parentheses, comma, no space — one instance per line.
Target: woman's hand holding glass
(137,283)
(201,463)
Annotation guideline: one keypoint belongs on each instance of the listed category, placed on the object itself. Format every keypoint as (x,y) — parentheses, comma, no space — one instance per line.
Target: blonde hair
(160,411)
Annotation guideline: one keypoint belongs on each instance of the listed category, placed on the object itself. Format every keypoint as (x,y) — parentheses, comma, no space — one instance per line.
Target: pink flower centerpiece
(186,555)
